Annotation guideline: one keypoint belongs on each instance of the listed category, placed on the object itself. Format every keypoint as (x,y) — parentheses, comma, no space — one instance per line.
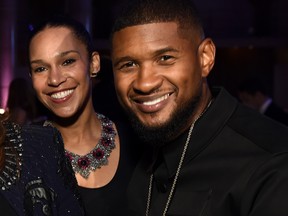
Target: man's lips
(62,94)
(155,101)
(149,104)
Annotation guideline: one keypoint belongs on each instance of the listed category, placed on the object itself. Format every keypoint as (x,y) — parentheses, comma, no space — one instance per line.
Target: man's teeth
(62,94)
(158,100)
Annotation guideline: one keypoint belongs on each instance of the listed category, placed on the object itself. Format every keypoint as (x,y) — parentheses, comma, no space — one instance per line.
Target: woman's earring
(94,74)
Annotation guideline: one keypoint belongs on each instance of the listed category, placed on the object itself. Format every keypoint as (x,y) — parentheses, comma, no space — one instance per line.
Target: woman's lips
(61,96)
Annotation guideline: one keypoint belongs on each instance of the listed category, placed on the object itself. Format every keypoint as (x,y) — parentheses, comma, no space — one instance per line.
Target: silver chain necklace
(177,172)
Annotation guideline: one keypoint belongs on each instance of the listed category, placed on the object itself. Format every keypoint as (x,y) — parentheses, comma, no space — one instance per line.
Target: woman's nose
(56,77)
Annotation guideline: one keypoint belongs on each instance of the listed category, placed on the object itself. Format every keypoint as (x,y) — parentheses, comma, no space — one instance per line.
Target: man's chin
(155,136)
(160,134)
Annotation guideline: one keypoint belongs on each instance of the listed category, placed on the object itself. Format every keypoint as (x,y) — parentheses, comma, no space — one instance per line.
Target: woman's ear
(95,64)
(206,52)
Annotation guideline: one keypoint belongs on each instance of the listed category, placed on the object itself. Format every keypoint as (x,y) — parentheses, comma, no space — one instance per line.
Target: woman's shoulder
(39,131)
(46,140)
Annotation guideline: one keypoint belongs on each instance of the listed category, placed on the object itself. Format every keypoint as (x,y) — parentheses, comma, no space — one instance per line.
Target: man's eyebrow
(155,53)
(122,59)
(165,50)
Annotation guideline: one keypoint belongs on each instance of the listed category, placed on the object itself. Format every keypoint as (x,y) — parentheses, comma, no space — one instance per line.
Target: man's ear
(95,64)
(206,52)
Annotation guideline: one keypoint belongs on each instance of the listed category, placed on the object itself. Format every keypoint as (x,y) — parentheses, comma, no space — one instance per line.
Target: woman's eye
(39,69)
(68,62)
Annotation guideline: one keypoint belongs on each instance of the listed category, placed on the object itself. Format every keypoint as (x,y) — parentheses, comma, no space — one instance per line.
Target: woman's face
(60,70)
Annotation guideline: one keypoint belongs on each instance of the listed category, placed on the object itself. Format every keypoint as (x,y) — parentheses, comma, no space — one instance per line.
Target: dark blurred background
(251,37)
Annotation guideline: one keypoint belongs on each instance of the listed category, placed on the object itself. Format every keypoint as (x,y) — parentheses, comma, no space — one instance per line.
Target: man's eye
(165,57)
(68,62)
(128,65)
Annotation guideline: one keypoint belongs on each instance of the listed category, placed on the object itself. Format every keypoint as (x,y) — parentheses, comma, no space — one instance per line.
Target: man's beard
(161,134)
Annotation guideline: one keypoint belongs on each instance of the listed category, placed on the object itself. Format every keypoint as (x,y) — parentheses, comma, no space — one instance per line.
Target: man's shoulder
(260,129)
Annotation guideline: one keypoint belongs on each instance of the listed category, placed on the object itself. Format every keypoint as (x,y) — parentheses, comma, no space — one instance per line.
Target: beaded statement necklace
(98,156)
(170,196)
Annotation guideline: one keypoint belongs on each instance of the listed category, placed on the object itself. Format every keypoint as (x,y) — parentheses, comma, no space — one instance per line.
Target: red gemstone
(69,156)
(98,153)
(105,141)
(83,162)
(108,129)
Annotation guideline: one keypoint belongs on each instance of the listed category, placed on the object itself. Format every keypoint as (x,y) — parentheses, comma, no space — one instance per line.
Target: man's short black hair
(139,12)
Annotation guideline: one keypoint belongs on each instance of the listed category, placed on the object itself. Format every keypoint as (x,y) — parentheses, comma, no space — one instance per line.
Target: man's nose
(147,80)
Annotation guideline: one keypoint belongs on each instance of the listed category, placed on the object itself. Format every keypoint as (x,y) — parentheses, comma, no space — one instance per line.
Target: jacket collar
(205,130)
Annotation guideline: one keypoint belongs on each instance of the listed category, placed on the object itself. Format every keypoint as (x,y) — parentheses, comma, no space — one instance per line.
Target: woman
(34,178)
(62,65)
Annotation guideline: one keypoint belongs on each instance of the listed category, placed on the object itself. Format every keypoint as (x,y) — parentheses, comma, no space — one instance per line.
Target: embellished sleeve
(10,186)
(12,156)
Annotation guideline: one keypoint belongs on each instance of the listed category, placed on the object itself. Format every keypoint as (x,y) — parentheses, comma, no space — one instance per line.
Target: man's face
(157,72)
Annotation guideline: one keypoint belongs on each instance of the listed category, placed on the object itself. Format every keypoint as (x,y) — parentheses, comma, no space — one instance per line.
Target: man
(206,154)
(253,93)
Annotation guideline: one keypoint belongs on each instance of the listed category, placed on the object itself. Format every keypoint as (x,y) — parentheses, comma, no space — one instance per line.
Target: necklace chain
(170,196)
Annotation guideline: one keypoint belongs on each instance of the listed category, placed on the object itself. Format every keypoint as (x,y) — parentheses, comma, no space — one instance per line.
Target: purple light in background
(6,77)
(7,62)
(30,27)
(8,12)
